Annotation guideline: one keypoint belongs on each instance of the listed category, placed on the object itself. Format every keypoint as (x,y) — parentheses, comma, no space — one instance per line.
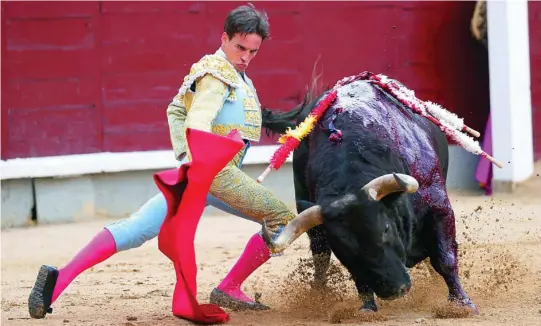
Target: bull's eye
(386,227)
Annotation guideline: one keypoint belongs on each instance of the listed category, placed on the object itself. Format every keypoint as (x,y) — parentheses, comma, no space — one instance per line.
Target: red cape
(185,189)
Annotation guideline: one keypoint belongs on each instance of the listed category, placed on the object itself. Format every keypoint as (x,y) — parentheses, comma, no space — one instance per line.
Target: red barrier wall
(83,77)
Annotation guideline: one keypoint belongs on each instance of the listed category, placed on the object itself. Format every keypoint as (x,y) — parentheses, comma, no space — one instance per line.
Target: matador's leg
(128,233)
(244,194)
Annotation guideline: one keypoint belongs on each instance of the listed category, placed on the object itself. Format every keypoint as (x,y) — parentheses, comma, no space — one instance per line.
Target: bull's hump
(353,96)
(370,111)
(356,99)
(368,107)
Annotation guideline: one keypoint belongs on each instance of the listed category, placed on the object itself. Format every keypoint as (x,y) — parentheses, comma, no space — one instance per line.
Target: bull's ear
(303,205)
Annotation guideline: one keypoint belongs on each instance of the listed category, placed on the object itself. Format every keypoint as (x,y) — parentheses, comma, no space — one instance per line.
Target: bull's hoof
(226,301)
(369,306)
(39,301)
(466,304)
(455,308)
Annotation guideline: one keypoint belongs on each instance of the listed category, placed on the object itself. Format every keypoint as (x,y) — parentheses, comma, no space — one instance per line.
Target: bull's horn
(297,226)
(389,183)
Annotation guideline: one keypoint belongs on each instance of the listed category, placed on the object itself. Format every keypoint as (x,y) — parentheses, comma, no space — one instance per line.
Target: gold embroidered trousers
(236,189)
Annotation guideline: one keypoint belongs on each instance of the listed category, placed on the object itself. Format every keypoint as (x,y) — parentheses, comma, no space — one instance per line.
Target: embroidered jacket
(214,97)
(220,100)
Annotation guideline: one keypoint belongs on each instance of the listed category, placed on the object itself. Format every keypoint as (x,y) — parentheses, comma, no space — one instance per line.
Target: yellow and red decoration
(448,122)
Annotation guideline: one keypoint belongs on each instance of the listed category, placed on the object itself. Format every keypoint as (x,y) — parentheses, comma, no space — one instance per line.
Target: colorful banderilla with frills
(448,122)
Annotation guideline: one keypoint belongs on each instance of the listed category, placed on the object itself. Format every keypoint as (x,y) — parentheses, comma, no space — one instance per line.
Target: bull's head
(363,230)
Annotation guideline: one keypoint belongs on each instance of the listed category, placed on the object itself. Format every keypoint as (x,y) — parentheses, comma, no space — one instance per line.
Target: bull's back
(379,131)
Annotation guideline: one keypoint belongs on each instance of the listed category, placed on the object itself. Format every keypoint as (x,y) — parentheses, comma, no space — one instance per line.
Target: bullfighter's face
(241,49)
(364,235)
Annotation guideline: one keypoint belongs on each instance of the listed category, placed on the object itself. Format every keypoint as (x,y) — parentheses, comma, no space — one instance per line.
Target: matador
(216,96)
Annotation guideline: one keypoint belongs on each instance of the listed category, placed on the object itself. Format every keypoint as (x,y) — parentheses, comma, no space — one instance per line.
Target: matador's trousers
(232,191)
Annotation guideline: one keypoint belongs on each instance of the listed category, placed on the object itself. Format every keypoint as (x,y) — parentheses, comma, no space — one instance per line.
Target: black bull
(376,197)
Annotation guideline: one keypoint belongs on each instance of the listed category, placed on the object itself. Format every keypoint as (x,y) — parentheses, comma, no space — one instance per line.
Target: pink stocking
(255,254)
(100,248)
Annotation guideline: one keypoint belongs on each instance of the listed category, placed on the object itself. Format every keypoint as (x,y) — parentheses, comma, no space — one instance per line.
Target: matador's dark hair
(247,20)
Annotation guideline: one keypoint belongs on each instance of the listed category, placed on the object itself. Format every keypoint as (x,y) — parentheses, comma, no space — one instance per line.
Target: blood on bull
(372,173)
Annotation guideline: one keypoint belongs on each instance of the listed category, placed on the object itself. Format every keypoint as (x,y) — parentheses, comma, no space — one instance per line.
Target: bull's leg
(367,296)
(321,253)
(444,258)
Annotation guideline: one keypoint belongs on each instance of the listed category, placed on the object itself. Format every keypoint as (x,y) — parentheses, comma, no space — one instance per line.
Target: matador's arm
(176,118)
(206,103)
(210,94)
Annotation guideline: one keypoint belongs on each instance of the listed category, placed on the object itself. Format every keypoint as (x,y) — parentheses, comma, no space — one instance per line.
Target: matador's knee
(244,194)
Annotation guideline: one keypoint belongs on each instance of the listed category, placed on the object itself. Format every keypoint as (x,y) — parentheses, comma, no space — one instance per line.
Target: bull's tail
(278,122)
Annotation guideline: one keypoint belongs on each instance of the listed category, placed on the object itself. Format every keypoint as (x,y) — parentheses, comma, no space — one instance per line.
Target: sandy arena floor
(500,266)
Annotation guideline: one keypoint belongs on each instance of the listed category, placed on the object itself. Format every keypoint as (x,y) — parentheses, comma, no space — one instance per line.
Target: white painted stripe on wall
(72,165)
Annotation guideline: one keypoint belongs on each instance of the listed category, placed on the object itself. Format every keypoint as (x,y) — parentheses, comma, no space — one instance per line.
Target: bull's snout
(404,289)
(400,291)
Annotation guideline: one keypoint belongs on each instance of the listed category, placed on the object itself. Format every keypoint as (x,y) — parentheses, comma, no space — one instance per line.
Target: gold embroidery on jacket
(252,112)
(232,96)
(209,64)
(182,102)
(250,104)
(252,118)
(248,132)
(208,102)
